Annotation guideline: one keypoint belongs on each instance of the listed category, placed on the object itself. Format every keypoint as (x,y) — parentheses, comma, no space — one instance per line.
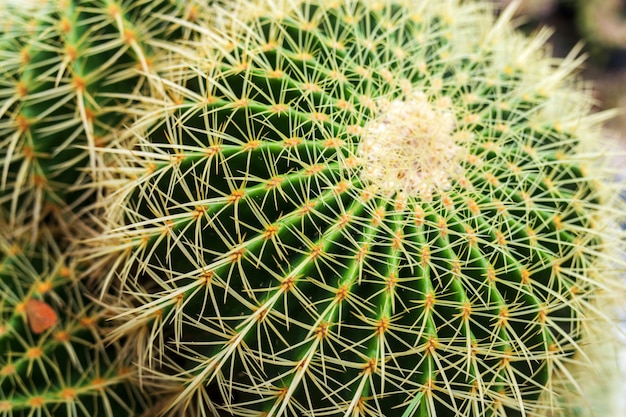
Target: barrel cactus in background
(53,361)
(70,70)
(362,208)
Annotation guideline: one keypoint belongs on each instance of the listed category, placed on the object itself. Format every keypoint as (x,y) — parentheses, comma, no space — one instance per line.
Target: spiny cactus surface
(53,361)
(362,208)
(68,70)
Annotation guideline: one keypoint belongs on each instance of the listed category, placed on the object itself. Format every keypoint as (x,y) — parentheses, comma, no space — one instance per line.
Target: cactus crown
(355,208)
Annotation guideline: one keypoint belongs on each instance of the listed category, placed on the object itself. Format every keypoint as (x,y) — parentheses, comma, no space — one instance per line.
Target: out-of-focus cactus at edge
(69,71)
(53,361)
(363,208)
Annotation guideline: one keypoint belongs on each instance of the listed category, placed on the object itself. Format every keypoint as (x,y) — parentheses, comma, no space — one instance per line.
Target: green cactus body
(64,368)
(360,208)
(67,83)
